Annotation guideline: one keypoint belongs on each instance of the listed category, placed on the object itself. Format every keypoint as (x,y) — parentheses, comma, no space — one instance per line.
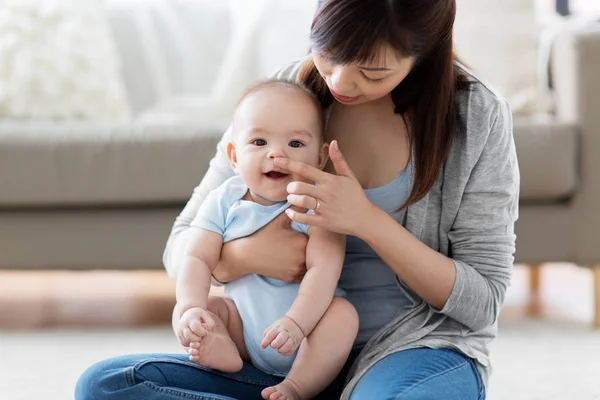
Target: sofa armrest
(575,67)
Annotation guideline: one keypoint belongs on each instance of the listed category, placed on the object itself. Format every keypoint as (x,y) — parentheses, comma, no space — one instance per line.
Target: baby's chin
(270,196)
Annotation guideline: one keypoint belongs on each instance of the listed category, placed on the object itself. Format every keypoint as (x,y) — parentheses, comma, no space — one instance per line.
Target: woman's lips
(343,99)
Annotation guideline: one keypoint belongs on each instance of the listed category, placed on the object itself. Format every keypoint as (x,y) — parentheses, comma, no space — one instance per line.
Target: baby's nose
(276,151)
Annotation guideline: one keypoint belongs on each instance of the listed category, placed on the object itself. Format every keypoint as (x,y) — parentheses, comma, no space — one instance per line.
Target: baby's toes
(266,393)
(277,396)
(195,359)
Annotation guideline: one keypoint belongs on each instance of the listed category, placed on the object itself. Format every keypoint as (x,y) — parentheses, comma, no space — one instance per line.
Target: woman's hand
(276,251)
(339,201)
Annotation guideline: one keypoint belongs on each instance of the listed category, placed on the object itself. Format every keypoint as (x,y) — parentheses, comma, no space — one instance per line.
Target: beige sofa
(86,196)
(559,159)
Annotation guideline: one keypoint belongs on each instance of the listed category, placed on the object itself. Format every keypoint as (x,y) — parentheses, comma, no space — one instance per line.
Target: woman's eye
(295,144)
(259,142)
(371,79)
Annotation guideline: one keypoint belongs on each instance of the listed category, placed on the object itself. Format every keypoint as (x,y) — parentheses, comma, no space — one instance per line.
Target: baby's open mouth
(276,176)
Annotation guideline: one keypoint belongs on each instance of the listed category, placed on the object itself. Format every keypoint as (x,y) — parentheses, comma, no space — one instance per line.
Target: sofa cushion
(85,164)
(548,157)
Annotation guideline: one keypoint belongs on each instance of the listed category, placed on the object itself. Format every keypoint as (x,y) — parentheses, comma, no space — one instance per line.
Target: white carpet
(532,360)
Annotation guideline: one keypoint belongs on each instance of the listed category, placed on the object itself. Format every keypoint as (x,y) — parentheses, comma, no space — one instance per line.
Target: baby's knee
(215,303)
(344,311)
(220,307)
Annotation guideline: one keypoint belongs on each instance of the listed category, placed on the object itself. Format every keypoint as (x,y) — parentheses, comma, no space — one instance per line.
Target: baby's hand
(194,324)
(284,336)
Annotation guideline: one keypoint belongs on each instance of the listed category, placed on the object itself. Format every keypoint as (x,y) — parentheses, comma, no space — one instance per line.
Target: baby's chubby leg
(223,347)
(321,355)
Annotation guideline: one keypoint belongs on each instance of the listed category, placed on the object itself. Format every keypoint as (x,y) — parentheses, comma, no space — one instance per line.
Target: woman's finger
(304,218)
(306,171)
(305,189)
(306,202)
(339,162)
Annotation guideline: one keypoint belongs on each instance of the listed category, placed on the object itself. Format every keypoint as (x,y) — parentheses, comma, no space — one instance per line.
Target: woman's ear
(324,155)
(232,155)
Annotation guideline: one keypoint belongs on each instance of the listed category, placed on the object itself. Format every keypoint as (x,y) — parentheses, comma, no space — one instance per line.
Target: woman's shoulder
(480,99)
(484,113)
(291,70)
(485,126)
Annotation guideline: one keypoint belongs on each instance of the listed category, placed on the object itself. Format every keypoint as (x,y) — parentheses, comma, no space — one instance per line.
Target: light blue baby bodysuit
(259,300)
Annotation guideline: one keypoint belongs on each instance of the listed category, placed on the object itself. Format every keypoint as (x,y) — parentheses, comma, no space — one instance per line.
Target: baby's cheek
(313,161)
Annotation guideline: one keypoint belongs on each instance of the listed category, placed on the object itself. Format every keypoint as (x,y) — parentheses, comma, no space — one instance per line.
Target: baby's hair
(271,82)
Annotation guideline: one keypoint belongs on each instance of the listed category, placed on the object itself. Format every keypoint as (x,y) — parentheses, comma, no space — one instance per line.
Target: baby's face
(277,121)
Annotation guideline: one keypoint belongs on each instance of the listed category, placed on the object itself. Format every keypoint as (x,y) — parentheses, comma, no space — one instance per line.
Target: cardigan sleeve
(482,239)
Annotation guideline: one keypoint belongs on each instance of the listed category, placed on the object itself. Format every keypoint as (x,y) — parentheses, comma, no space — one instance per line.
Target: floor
(49,299)
(53,325)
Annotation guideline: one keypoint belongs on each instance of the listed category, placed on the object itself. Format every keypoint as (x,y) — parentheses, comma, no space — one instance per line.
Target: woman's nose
(341,80)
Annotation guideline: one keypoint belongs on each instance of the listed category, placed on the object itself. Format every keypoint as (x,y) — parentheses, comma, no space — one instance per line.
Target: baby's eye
(259,142)
(296,144)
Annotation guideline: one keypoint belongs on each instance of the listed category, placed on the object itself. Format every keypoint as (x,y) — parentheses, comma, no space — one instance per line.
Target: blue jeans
(412,374)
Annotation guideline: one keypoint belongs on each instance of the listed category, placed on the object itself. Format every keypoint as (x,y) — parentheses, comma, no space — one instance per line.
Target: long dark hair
(351,31)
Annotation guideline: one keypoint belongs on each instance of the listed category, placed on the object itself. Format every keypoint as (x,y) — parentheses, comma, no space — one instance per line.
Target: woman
(426,190)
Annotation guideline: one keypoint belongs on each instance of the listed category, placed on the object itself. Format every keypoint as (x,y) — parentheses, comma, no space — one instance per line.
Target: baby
(303,332)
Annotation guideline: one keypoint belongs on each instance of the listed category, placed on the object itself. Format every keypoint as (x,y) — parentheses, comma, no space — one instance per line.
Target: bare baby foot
(286,390)
(216,350)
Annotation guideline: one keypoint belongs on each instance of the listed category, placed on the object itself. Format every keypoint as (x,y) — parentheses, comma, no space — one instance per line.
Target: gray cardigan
(468,215)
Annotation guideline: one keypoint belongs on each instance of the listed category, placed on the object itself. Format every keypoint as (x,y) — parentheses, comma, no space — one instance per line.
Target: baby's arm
(325,253)
(193,282)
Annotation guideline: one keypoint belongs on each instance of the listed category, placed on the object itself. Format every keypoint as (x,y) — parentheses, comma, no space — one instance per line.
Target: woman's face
(359,83)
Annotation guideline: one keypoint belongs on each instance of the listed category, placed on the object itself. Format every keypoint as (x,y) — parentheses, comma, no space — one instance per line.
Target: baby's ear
(232,155)
(324,155)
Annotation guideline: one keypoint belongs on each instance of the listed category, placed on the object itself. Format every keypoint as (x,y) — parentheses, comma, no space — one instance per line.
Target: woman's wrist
(369,222)
(377,223)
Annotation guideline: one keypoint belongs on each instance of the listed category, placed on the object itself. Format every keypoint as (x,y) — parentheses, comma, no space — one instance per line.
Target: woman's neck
(380,104)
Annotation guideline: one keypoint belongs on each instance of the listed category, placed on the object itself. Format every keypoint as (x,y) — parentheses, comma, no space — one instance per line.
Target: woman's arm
(286,263)
(471,286)
(429,273)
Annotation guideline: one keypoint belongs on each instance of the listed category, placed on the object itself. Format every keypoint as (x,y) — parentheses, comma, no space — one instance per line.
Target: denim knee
(103,378)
